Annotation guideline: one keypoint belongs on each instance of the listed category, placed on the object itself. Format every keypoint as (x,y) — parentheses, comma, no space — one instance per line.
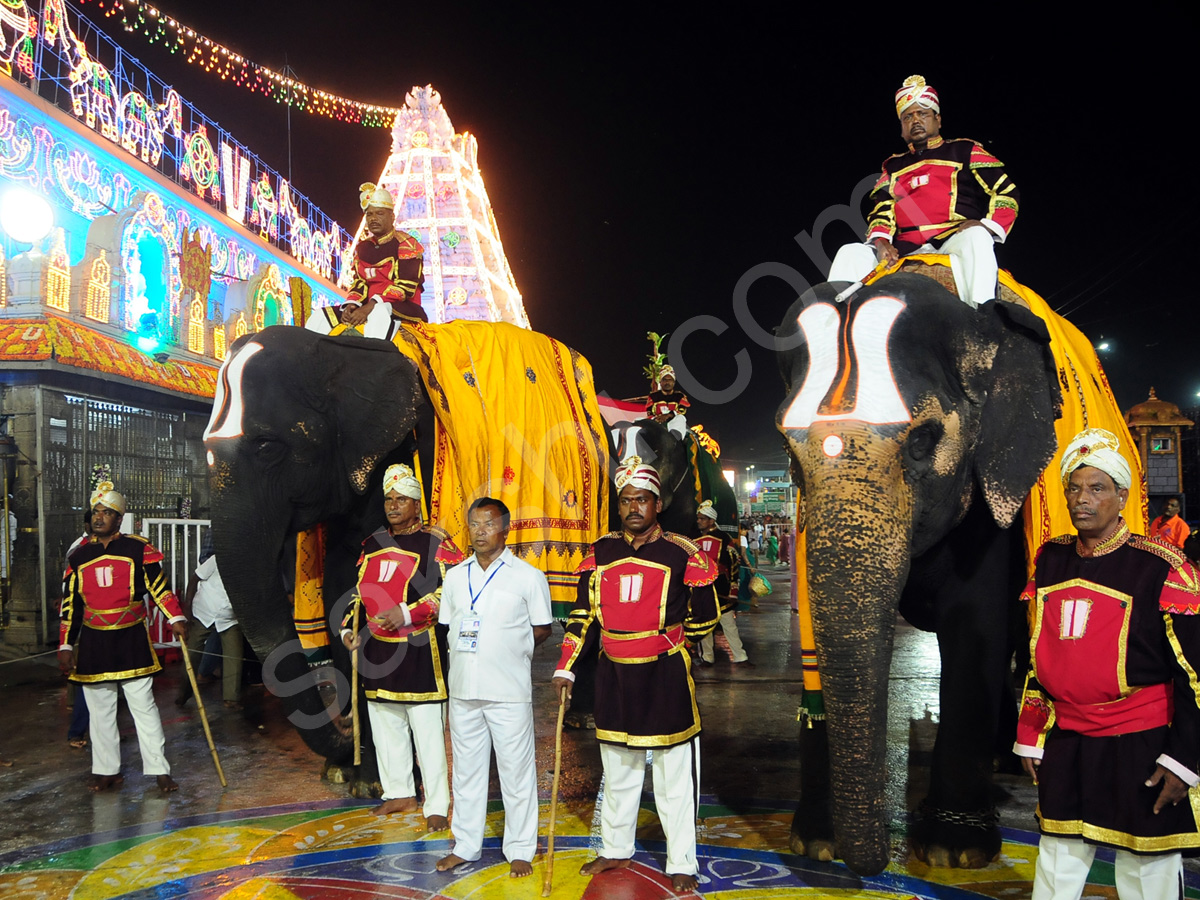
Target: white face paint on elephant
(866,372)
(229,405)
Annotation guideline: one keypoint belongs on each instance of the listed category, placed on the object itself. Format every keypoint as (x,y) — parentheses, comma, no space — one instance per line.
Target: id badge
(468,636)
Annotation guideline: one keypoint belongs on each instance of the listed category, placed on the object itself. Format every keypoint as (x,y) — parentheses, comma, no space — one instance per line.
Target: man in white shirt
(497,608)
(207,605)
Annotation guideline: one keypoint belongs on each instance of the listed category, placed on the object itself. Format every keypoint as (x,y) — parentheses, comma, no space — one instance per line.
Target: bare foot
(446,863)
(602,864)
(7,763)
(166,784)
(681,884)
(399,805)
(437,823)
(105,783)
(519,868)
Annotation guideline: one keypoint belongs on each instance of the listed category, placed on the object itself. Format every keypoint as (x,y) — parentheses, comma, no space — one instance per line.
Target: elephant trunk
(858,563)
(253,581)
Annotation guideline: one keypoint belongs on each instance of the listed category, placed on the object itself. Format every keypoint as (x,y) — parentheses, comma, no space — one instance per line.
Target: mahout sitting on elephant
(916,426)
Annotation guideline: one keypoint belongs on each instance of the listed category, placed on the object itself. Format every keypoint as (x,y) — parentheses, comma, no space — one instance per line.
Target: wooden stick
(191,673)
(549,879)
(354,690)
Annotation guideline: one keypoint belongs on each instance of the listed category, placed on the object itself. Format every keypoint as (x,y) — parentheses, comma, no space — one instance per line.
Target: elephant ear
(1016,437)
(376,397)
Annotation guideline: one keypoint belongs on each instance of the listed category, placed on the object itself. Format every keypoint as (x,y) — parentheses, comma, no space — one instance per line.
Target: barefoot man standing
(644,594)
(104,644)
(498,610)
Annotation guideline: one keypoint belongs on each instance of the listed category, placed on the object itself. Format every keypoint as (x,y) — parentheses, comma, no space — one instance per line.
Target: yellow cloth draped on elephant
(517,419)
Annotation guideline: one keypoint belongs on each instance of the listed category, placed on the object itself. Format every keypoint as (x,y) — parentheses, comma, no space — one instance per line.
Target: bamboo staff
(191,673)
(549,879)
(354,689)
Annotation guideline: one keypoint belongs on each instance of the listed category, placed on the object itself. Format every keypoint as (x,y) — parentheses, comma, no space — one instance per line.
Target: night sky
(640,162)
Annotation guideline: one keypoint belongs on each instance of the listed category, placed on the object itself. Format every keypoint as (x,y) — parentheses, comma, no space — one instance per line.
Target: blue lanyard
(471,591)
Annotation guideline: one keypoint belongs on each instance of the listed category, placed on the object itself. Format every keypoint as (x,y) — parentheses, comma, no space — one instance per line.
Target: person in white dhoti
(942,196)
(497,608)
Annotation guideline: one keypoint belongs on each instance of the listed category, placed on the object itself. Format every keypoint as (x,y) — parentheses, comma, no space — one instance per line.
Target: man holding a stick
(104,644)
(645,594)
(399,587)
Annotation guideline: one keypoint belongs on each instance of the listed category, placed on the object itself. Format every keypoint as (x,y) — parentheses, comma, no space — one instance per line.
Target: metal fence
(180,541)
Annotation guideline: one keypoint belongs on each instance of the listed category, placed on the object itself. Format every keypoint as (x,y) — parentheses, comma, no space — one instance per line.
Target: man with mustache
(645,594)
(942,196)
(1110,717)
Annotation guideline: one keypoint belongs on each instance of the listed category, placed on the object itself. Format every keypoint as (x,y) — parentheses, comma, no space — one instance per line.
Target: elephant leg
(812,825)
(957,825)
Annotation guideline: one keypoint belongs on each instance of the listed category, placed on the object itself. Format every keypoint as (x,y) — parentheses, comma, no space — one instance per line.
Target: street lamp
(25,216)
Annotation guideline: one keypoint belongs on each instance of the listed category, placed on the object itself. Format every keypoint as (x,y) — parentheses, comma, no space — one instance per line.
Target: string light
(158,28)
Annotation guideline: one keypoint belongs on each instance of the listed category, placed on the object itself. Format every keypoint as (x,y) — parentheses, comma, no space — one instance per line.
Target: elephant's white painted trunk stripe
(229,406)
(866,371)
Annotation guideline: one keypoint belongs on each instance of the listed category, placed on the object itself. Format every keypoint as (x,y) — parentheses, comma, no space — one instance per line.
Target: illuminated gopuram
(433,173)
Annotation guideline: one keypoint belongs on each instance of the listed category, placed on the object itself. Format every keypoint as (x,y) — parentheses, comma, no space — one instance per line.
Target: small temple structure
(1156,426)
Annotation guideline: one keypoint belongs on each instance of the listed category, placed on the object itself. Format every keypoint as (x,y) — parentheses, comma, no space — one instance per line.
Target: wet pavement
(279,831)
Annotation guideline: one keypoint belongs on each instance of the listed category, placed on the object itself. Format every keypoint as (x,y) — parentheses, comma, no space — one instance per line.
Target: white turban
(707,509)
(104,495)
(1099,449)
(400,478)
(371,195)
(915,90)
(635,472)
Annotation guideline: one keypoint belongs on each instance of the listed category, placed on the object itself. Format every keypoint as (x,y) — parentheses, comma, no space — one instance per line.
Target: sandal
(78,743)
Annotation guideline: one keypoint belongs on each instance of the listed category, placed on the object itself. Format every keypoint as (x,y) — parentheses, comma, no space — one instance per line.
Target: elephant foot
(366,790)
(955,840)
(820,849)
(335,773)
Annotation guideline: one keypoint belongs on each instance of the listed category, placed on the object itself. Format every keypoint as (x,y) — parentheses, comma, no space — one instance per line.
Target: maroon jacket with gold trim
(924,194)
(103,612)
(1115,644)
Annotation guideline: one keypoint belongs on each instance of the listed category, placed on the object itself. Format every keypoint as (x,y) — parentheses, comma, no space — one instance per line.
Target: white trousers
(729,627)
(678,426)
(972,260)
(378,324)
(475,727)
(101,700)
(676,778)
(395,727)
(1063,864)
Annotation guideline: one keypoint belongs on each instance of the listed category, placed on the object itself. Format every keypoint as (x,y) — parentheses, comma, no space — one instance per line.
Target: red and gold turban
(915,90)
(636,473)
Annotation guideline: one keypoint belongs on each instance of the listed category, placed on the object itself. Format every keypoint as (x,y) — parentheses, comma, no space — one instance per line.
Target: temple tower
(433,174)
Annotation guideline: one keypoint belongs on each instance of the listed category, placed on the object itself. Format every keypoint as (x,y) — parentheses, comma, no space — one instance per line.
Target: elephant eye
(923,439)
(269,447)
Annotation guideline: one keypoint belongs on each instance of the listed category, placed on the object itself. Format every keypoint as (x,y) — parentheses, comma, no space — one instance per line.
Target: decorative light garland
(157,27)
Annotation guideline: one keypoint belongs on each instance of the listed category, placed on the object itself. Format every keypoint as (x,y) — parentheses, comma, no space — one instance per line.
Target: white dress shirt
(509,602)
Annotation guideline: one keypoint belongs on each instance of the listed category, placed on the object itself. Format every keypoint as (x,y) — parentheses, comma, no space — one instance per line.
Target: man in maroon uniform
(942,196)
(719,547)
(104,644)
(668,406)
(400,586)
(388,274)
(1110,722)
(644,594)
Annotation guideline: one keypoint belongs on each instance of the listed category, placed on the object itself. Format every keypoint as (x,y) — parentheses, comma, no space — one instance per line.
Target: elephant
(916,427)
(302,427)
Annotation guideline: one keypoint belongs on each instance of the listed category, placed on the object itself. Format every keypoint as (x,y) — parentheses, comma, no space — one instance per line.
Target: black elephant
(916,426)
(301,429)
